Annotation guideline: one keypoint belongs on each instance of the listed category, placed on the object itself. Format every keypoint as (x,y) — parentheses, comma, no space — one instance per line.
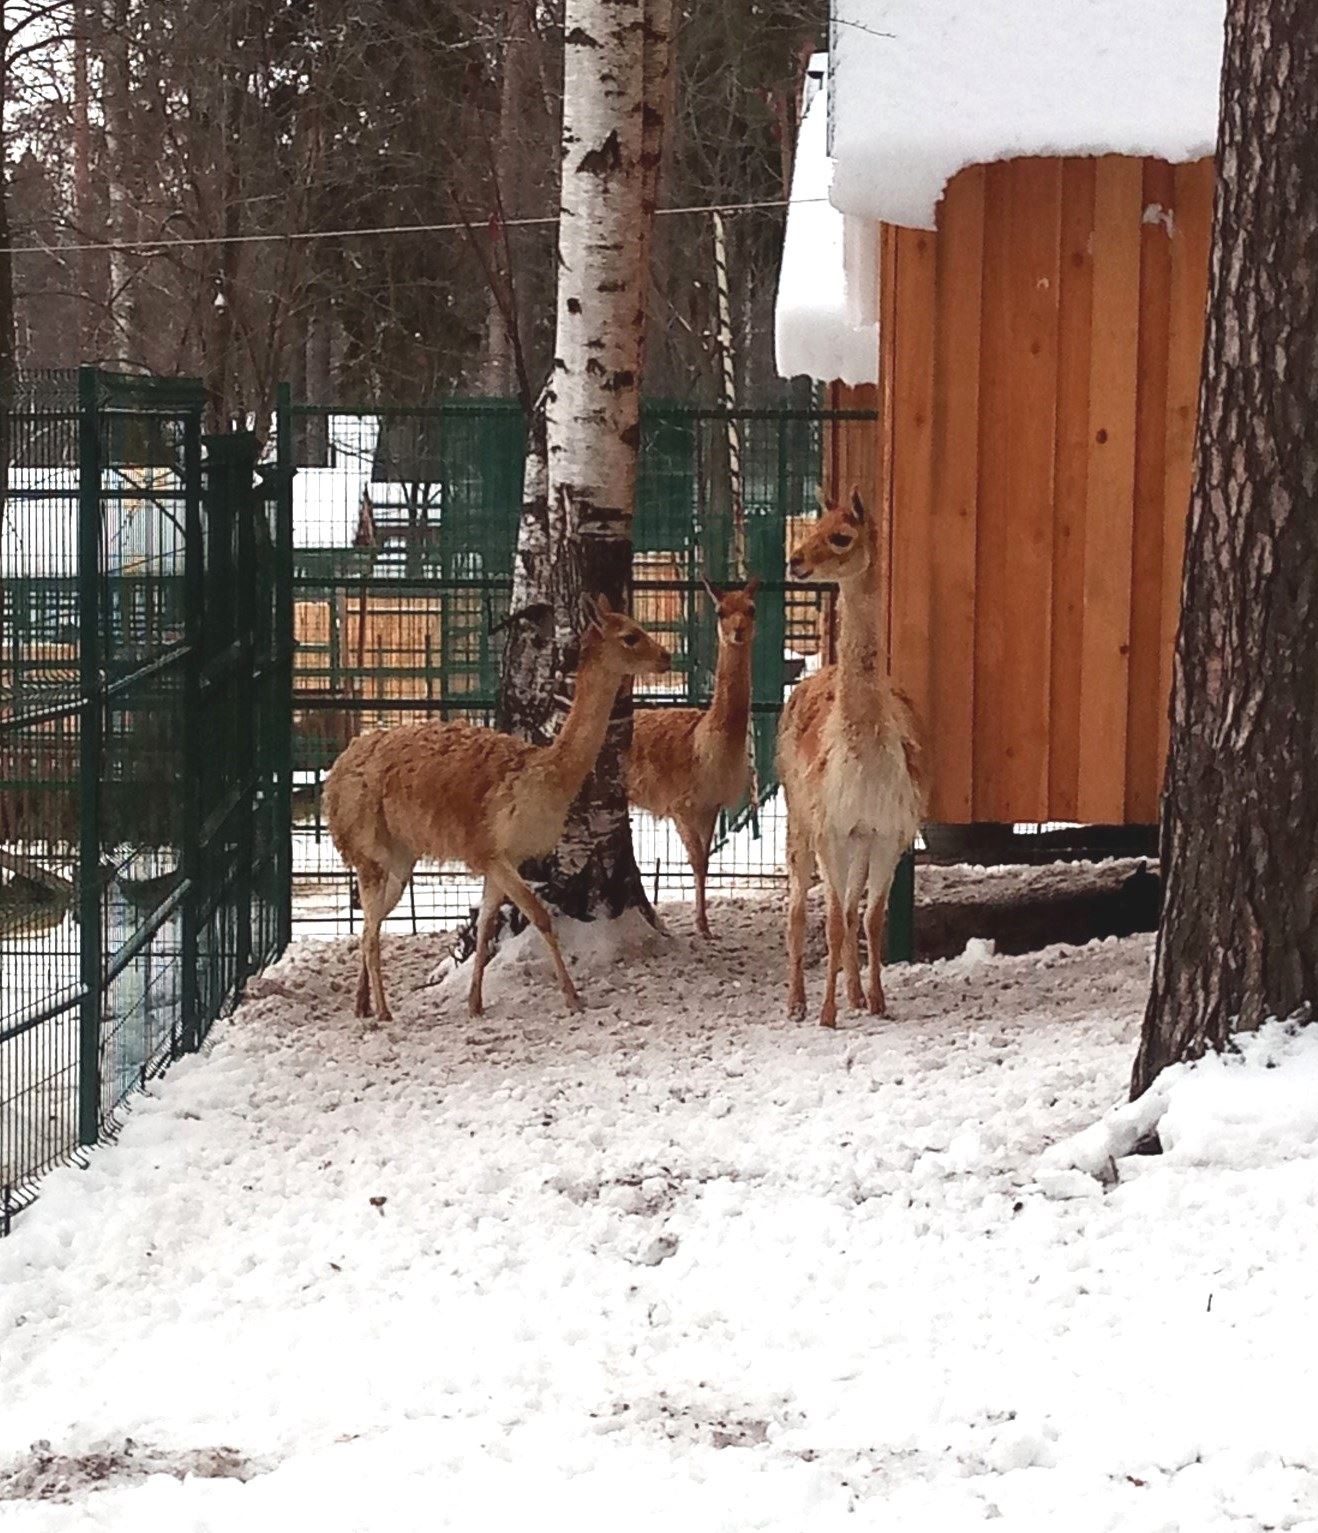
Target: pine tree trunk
(518,87)
(8,330)
(124,339)
(88,317)
(223,386)
(1238,941)
(580,497)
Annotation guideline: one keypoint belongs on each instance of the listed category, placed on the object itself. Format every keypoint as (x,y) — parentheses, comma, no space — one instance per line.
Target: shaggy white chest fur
(866,783)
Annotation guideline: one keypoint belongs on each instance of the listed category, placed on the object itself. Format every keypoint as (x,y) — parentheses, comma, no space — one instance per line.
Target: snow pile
(675,1262)
(1256,1106)
(923,88)
(812,331)
(593,950)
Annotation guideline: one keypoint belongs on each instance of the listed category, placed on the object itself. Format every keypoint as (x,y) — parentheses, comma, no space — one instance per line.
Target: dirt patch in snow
(49,1476)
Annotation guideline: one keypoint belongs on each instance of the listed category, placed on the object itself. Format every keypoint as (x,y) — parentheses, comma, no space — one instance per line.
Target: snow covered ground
(674,1263)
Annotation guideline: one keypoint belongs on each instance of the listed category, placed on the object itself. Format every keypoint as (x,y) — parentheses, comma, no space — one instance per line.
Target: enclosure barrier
(405,527)
(145,765)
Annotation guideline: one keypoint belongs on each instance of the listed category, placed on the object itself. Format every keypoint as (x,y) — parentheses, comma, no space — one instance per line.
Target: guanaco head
(736,612)
(622,646)
(838,546)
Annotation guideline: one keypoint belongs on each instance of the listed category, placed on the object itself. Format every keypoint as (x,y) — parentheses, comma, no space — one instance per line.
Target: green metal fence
(405,530)
(145,773)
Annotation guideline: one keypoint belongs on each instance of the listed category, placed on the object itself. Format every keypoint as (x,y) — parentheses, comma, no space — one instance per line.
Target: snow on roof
(813,331)
(923,88)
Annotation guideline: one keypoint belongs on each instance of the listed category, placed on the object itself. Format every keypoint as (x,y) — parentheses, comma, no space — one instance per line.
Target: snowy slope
(812,332)
(925,87)
(674,1263)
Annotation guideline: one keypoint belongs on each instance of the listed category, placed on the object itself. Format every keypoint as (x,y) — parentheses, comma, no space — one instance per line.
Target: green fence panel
(144,729)
(665,481)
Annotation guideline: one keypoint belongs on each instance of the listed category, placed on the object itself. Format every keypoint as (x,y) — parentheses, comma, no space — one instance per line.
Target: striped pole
(730,397)
(734,456)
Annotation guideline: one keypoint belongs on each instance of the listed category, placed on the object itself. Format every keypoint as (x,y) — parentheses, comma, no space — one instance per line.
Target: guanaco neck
(860,651)
(730,708)
(575,748)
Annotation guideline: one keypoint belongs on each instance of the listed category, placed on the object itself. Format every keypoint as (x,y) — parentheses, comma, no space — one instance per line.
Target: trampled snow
(923,88)
(675,1262)
(812,331)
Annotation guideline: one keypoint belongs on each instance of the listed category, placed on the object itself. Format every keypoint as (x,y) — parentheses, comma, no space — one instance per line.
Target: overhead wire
(376,231)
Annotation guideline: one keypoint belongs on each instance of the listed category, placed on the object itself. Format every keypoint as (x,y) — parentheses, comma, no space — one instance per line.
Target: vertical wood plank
(1070,477)
(1145,697)
(887,418)
(864,448)
(1191,244)
(992,591)
(1109,515)
(834,444)
(1036,197)
(912,465)
(951,721)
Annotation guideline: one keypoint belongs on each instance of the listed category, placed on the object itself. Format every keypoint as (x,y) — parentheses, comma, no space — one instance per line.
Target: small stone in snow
(1016,1449)
(659,1250)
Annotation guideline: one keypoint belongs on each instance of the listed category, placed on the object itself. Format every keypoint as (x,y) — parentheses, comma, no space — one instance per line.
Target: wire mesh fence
(144,769)
(404,531)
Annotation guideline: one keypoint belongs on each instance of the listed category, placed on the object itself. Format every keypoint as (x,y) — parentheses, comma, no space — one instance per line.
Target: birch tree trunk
(1238,942)
(580,495)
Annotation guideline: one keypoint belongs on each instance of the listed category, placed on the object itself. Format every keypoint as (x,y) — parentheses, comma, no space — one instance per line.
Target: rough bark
(1238,940)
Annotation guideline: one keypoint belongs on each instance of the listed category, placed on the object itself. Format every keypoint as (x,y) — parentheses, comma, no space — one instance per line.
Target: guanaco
(457,792)
(686,764)
(849,763)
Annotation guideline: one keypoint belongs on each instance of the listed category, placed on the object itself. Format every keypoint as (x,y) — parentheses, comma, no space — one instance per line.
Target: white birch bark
(576,527)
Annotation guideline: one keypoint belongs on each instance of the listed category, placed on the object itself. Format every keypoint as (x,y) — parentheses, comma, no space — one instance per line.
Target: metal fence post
(241,484)
(91,695)
(901,913)
(194,595)
(283,647)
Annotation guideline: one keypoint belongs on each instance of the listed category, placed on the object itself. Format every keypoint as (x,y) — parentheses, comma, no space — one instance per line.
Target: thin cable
(190,242)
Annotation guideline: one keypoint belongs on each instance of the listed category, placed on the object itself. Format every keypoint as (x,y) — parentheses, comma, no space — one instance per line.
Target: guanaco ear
(590,606)
(821,497)
(857,506)
(715,595)
(752,585)
(603,606)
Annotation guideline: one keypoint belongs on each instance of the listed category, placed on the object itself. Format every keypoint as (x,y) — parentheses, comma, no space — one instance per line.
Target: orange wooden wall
(1039,366)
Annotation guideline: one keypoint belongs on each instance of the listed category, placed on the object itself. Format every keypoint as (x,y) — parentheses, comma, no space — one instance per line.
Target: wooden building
(1036,358)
